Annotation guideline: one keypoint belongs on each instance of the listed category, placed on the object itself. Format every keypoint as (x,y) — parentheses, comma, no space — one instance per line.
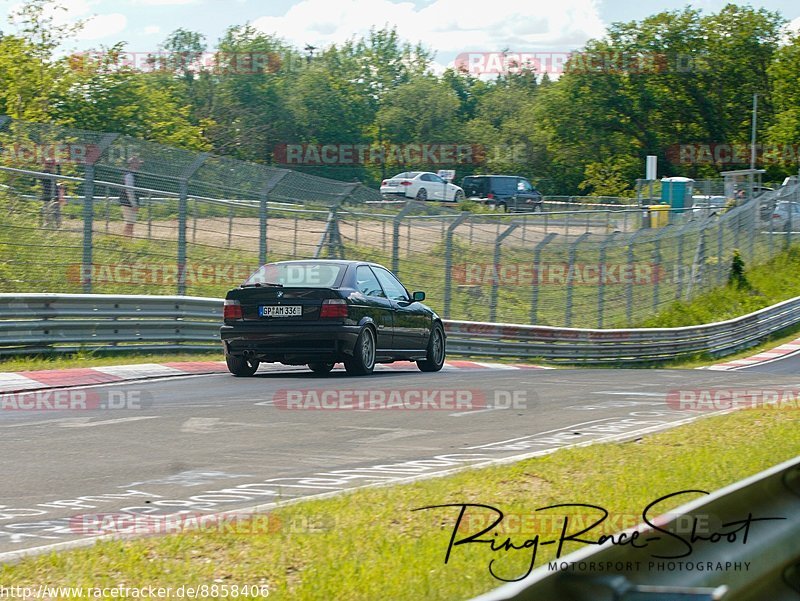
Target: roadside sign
(447,174)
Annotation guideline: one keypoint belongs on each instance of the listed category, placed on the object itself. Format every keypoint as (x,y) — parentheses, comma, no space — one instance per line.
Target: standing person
(128,200)
(51,203)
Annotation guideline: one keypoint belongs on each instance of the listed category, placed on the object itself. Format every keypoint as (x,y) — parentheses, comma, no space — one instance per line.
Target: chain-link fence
(204,223)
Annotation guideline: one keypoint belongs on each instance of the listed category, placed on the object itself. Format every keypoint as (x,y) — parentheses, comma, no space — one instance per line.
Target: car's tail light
(333,308)
(383,183)
(232,309)
(490,195)
(405,183)
(776,216)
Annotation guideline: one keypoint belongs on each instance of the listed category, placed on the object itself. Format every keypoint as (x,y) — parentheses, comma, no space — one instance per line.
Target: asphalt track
(216,443)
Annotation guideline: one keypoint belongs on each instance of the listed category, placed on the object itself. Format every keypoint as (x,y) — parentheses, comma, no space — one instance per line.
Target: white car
(421,185)
(781,216)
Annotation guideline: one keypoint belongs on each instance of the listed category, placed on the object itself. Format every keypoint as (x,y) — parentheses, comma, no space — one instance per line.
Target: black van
(506,192)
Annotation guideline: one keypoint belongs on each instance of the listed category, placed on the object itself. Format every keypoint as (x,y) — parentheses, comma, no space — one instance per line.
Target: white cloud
(67,12)
(103,26)
(444,25)
(163,2)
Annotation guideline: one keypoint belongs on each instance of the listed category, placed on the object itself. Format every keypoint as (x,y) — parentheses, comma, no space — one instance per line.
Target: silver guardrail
(741,543)
(41,322)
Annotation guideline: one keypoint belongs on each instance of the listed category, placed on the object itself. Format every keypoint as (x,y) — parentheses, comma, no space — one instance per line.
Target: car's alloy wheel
(436,351)
(363,361)
(422,194)
(241,367)
(459,196)
(321,368)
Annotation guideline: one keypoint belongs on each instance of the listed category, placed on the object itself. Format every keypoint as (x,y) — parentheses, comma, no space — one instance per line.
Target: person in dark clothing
(51,203)
(129,200)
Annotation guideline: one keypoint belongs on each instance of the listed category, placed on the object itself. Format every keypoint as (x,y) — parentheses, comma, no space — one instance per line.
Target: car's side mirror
(418,296)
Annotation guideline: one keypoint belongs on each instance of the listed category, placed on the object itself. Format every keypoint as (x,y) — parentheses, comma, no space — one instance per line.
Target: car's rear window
(407,175)
(297,275)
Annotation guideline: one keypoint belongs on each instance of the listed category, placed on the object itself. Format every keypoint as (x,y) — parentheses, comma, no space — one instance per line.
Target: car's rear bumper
(290,343)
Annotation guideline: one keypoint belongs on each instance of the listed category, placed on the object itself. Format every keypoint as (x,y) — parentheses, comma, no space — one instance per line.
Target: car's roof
(493,175)
(329,261)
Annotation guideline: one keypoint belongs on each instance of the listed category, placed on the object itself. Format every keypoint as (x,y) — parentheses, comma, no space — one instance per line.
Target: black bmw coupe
(322,312)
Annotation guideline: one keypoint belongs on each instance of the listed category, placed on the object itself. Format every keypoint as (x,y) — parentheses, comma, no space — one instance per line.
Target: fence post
(657,271)
(88,218)
(396,236)
(537,253)
(720,253)
(448,261)
(601,290)
(263,207)
(182,202)
(183,197)
(680,271)
(629,286)
(699,260)
(495,284)
(88,212)
(753,226)
(571,278)
(230,224)
(262,228)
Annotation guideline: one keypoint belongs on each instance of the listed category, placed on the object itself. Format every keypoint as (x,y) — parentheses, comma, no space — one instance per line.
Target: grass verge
(369,544)
(88,359)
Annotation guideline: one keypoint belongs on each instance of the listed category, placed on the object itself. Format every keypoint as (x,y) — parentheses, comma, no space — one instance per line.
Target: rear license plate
(280,311)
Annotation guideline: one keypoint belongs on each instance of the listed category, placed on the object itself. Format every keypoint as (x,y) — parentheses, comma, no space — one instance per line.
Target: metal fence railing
(201,230)
(36,323)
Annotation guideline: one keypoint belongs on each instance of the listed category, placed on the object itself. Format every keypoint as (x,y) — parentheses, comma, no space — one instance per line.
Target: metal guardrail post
(537,257)
(448,262)
(573,248)
(495,284)
(601,289)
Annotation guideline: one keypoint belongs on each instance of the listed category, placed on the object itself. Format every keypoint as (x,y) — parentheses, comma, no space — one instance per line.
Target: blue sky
(448,27)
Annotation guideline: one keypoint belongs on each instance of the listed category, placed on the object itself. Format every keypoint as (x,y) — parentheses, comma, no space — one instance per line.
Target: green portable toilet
(677,192)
